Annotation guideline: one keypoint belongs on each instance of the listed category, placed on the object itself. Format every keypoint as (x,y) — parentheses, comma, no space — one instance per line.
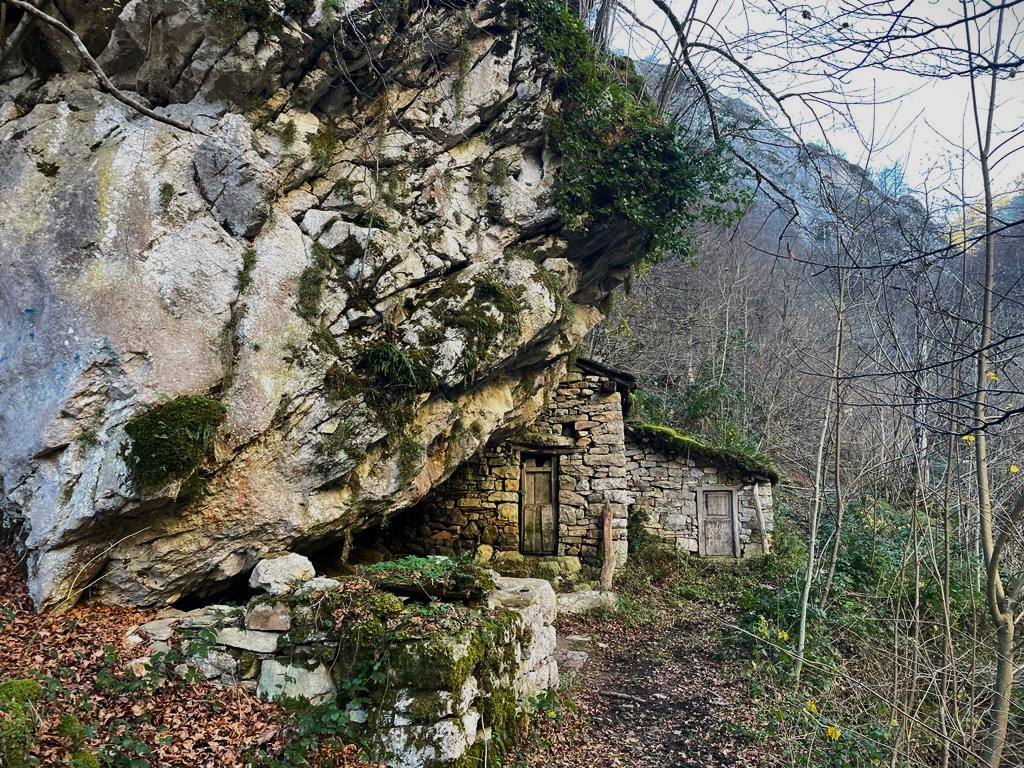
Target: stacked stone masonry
(444,699)
(665,490)
(582,428)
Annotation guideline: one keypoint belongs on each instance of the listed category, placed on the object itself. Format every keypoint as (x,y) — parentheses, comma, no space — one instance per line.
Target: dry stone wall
(586,413)
(582,425)
(453,688)
(664,490)
(479,504)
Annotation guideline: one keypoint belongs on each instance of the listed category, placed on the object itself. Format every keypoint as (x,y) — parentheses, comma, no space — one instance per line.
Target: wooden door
(718,524)
(538,506)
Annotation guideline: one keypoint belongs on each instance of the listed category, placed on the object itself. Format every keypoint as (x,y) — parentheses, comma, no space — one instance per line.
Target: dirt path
(665,696)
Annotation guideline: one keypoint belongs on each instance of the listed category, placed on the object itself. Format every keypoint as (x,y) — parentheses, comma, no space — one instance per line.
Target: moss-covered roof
(728,457)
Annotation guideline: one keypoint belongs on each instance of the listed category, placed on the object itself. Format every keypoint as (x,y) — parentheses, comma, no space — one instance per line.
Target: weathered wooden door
(538,506)
(717,524)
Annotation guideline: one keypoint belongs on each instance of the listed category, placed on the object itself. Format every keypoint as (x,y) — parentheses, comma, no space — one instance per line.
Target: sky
(920,122)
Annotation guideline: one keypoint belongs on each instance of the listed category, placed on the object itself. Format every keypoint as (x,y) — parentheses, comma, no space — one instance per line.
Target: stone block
(248,640)
(269,617)
(288,681)
(575,603)
(279,575)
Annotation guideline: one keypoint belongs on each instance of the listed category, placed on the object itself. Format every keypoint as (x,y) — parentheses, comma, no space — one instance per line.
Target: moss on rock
(18,721)
(434,577)
(168,442)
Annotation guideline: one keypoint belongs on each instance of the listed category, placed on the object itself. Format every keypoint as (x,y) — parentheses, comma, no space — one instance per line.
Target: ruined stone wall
(664,488)
(448,697)
(479,504)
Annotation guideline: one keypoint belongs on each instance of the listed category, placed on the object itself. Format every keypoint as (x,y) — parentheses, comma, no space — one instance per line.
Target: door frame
(552,457)
(701,490)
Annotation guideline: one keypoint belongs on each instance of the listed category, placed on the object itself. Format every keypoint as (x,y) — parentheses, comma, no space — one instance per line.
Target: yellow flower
(1014,469)
(832,733)
(783,635)
(811,707)
(991,376)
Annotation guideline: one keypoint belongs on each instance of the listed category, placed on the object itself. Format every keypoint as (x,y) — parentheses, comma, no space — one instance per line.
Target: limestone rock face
(353,253)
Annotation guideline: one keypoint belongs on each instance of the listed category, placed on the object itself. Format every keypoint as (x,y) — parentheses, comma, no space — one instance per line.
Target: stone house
(544,491)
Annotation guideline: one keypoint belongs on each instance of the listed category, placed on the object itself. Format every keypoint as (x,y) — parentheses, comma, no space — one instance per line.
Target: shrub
(169,441)
(235,16)
(620,158)
(393,370)
(322,147)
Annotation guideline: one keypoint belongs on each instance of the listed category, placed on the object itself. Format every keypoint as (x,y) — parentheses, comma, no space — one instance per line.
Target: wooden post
(766,543)
(608,565)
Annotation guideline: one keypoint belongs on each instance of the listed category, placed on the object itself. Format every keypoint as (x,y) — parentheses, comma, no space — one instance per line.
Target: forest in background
(865,335)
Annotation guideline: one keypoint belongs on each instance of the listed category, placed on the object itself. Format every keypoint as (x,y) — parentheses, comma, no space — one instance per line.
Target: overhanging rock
(353,255)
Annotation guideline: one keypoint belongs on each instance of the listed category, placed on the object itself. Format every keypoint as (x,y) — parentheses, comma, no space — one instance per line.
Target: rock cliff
(292,321)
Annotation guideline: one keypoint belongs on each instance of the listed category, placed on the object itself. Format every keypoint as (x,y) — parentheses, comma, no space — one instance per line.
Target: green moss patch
(18,721)
(168,442)
(494,308)
(731,458)
(311,283)
(244,278)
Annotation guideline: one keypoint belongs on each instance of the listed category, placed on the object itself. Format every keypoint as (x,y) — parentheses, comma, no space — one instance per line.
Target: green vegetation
(244,278)
(620,159)
(341,384)
(169,441)
(410,458)
(499,172)
(288,132)
(323,146)
(233,17)
(393,370)
(18,721)
(388,648)
(48,169)
(394,378)
(477,318)
(553,286)
(83,758)
(166,196)
(432,577)
(311,283)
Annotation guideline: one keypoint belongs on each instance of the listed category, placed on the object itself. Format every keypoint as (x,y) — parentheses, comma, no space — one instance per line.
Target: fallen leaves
(175,724)
(653,696)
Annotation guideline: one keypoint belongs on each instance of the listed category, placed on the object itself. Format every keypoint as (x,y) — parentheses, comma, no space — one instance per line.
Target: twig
(623,696)
(94,66)
(10,45)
